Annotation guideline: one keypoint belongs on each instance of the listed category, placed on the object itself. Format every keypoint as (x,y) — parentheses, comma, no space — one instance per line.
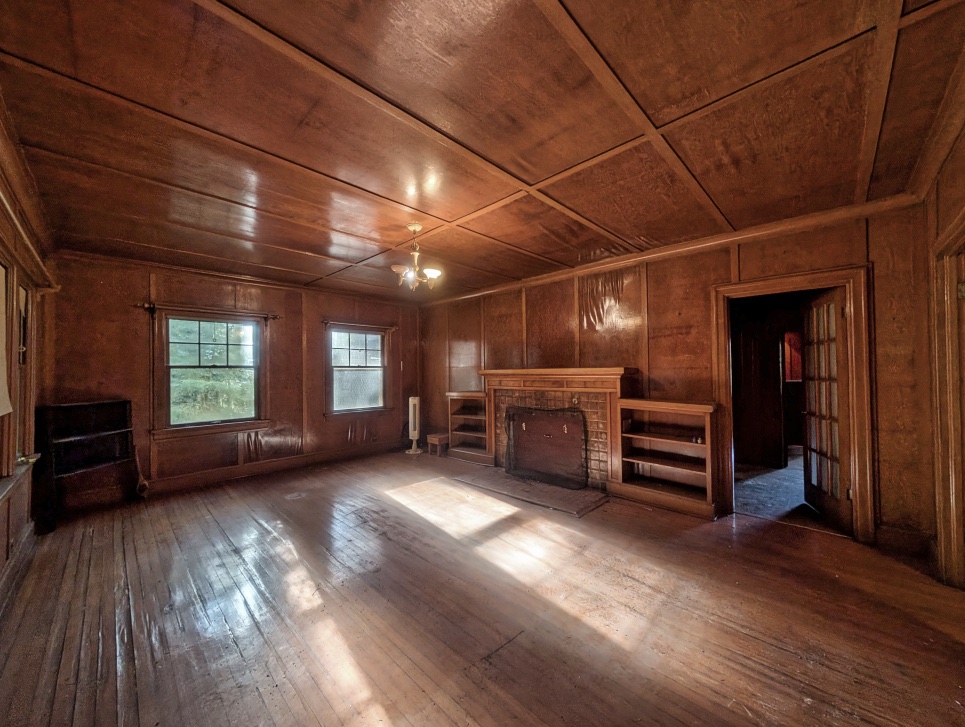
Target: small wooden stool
(439,440)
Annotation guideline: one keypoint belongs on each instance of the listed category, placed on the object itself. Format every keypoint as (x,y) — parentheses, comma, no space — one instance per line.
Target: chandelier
(413,274)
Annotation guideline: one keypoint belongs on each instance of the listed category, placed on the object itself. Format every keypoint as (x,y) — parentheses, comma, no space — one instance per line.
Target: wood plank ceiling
(293,140)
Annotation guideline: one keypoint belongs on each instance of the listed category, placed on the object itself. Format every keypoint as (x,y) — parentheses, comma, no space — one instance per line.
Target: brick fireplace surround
(594,391)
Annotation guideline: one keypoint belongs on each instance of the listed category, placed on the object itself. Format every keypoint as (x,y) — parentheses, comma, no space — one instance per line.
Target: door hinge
(961,291)
(849,494)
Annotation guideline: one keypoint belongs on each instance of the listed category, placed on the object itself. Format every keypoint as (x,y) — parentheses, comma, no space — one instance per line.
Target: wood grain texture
(678,319)
(471,71)
(637,196)
(898,248)
(312,121)
(434,350)
(462,246)
(465,345)
(504,344)
(925,58)
(159,148)
(810,123)
(532,225)
(829,247)
(950,191)
(551,325)
(368,591)
(611,323)
(709,50)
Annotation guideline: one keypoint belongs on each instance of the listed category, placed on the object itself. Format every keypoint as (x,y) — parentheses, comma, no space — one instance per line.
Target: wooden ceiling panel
(787,148)
(912,5)
(534,226)
(181,60)
(75,225)
(637,196)
(925,58)
(456,279)
(183,260)
(675,58)
(462,246)
(471,70)
(65,182)
(108,132)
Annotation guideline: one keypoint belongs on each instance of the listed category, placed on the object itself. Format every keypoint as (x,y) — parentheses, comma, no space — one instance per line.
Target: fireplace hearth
(548,445)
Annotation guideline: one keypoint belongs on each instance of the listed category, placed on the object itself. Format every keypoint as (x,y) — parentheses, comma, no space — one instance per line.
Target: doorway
(830,311)
(790,465)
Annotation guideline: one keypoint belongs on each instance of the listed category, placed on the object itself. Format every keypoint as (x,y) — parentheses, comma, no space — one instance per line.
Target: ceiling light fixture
(413,274)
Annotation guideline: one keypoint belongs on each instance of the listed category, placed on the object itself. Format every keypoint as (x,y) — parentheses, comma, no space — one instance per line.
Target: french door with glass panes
(827,457)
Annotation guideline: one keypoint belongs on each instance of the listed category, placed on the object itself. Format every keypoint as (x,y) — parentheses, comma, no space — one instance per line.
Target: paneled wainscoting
(380,591)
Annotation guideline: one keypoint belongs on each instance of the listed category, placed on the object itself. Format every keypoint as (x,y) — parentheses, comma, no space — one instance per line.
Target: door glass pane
(834,440)
(822,324)
(833,359)
(832,320)
(835,479)
(812,396)
(834,399)
(822,361)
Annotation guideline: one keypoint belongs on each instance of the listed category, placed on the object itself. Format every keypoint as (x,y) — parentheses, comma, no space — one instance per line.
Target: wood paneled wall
(656,316)
(98,346)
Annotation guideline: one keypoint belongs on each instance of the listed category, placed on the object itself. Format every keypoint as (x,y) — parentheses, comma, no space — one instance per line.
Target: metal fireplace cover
(548,445)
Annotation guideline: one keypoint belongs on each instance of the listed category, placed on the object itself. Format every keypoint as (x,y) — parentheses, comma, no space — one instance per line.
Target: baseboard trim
(205,478)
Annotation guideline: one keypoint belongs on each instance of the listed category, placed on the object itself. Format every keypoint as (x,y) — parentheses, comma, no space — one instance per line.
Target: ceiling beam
(567,27)
(812,221)
(201,131)
(886,42)
(927,11)
(948,125)
(69,158)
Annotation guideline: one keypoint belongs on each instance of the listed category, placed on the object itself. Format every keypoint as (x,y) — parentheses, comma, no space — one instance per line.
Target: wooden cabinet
(87,458)
(667,455)
(468,438)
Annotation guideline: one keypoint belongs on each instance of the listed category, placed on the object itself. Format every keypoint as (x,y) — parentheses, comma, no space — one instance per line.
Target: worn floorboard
(383,591)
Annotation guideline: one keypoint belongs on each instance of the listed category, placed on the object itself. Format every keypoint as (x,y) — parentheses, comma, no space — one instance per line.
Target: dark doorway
(773,362)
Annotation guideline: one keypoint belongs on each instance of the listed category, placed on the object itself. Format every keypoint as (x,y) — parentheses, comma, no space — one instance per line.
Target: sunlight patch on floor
(452,508)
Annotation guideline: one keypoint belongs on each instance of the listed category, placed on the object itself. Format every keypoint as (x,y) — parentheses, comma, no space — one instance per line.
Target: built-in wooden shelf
(468,432)
(666,455)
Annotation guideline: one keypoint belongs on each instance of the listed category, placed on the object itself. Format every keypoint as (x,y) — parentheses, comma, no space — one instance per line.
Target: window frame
(162,369)
(383,331)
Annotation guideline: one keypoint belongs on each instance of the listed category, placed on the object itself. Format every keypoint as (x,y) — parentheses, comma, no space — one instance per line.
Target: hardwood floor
(380,591)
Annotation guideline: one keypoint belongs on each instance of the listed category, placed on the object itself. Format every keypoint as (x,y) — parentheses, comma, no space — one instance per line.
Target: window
(358,369)
(212,369)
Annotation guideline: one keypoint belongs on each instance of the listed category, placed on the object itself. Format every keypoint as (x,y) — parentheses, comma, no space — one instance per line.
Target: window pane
(356,340)
(214,332)
(184,354)
(182,331)
(241,355)
(243,333)
(357,389)
(373,342)
(339,339)
(208,395)
(339,357)
(357,357)
(373,358)
(213,354)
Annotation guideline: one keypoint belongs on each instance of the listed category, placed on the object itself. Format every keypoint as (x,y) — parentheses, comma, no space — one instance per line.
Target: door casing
(854,281)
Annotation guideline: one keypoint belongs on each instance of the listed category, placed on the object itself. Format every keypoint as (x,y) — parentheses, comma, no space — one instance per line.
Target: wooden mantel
(614,382)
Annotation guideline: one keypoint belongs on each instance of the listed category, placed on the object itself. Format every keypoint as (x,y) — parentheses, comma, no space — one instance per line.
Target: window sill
(197,430)
(356,412)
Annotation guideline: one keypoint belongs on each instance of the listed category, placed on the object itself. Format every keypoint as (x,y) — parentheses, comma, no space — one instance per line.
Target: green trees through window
(212,370)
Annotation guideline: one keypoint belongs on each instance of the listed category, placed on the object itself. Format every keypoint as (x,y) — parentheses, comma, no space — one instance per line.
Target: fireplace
(548,445)
(591,391)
